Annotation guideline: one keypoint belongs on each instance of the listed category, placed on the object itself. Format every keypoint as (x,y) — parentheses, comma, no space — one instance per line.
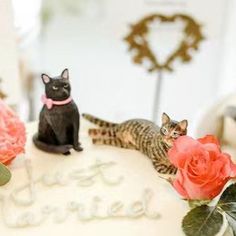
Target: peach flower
(12,134)
(203,170)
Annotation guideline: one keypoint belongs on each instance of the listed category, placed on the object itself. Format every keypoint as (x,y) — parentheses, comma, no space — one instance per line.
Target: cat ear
(165,118)
(46,79)
(183,124)
(65,74)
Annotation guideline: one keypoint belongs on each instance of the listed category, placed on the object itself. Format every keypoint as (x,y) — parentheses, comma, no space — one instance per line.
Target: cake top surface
(100,191)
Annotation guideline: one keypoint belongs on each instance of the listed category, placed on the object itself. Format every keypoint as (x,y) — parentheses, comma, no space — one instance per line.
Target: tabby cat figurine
(59,119)
(142,135)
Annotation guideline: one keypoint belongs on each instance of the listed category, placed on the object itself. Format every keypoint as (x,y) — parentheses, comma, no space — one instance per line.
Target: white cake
(47,194)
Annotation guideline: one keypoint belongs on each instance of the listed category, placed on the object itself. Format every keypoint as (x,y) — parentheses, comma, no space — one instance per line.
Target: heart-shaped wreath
(140,46)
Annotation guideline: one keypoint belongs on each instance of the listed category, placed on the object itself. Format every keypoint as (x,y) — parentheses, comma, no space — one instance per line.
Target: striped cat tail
(98,121)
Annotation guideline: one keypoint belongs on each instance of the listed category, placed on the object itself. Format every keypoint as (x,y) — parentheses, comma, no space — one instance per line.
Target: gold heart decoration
(140,46)
(2,95)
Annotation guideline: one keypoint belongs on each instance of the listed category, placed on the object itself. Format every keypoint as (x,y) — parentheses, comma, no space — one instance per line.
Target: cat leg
(127,138)
(105,133)
(112,142)
(76,143)
(61,137)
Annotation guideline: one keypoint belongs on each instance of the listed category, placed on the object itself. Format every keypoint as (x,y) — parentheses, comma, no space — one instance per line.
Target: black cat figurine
(59,120)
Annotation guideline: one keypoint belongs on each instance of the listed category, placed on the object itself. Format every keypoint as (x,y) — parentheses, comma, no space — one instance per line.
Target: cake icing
(100,191)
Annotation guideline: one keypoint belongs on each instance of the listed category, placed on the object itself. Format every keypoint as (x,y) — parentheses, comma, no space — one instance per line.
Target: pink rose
(12,134)
(203,170)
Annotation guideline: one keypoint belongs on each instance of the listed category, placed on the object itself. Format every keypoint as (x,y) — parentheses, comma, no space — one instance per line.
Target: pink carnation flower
(12,134)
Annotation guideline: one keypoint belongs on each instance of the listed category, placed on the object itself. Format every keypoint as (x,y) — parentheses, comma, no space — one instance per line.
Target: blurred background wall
(228,72)
(9,71)
(86,36)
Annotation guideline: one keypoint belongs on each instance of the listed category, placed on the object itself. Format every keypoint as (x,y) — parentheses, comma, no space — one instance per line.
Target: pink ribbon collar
(49,102)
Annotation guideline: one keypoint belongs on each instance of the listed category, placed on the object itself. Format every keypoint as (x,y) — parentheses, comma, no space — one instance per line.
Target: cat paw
(66,153)
(78,148)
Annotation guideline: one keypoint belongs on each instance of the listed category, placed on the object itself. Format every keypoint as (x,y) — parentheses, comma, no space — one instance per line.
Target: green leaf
(227,200)
(202,221)
(227,203)
(5,174)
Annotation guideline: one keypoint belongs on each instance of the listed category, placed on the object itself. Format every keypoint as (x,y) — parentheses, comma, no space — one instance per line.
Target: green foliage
(5,174)
(206,220)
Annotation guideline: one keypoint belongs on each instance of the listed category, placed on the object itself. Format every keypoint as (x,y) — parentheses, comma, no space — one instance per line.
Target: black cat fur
(58,129)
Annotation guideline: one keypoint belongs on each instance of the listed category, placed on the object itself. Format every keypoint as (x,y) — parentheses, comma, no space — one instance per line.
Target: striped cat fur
(142,135)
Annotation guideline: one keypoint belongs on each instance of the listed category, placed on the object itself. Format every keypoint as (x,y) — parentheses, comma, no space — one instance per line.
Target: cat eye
(54,88)
(66,86)
(164,131)
(175,135)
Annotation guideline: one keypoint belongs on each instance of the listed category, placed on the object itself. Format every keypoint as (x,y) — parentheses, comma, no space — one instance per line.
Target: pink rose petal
(12,134)
(203,169)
